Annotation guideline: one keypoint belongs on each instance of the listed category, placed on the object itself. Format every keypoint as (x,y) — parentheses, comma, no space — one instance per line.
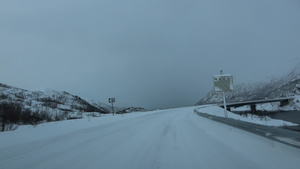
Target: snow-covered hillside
(286,86)
(131,109)
(104,106)
(19,106)
(52,102)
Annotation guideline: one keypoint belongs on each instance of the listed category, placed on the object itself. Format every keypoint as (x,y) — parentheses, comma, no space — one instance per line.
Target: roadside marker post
(223,83)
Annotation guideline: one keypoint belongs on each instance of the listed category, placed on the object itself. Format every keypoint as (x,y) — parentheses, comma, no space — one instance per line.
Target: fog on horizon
(152,54)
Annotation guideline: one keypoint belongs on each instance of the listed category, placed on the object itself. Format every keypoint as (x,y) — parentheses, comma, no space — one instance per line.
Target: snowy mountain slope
(131,109)
(104,106)
(37,106)
(54,103)
(286,86)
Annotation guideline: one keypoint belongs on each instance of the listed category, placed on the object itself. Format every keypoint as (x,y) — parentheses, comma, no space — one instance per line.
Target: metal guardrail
(289,137)
(238,104)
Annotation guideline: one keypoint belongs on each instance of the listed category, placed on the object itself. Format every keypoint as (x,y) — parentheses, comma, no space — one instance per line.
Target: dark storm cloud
(154,54)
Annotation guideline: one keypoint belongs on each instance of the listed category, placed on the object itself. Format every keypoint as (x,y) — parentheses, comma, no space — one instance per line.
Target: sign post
(223,83)
(225,107)
(112,100)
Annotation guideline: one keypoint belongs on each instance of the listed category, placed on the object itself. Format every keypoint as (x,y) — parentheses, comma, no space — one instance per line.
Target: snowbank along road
(165,139)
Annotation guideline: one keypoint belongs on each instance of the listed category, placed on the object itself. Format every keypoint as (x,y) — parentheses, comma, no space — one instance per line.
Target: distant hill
(288,85)
(131,109)
(104,106)
(20,106)
(52,102)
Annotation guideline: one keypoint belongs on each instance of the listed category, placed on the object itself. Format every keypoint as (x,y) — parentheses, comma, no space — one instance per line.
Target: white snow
(217,111)
(287,140)
(174,138)
(296,102)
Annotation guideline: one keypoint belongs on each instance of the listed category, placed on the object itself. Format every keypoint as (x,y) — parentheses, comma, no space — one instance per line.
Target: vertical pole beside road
(223,83)
(225,107)
(224,99)
(112,108)
(112,100)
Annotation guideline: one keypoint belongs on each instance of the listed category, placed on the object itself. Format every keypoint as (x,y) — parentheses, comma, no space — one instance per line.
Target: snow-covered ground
(174,138)
(217,111)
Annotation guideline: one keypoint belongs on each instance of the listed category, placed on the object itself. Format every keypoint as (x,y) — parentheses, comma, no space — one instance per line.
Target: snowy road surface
(165,139)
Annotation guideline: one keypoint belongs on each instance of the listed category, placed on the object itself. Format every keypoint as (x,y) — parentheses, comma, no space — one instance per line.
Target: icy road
(165,139)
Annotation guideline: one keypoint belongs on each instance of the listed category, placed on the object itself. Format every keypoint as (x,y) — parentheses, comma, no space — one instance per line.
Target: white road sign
(223,83)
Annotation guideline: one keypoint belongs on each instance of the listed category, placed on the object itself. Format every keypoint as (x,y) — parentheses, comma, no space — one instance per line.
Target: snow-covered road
(165,139)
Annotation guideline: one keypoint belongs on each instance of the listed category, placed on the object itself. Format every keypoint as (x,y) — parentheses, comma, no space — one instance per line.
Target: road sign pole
(112,100)
(225,107)
(223,83)
(112,108)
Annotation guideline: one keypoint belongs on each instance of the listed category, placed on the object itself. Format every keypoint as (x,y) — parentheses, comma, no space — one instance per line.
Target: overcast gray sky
(148,53)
